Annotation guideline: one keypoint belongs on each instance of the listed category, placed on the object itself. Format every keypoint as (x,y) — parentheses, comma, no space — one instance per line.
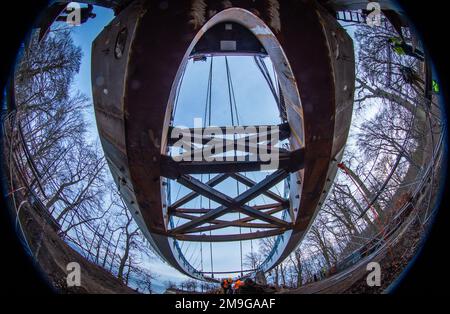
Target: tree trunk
(124,258)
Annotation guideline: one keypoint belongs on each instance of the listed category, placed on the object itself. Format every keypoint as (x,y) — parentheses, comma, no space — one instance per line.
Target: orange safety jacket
(238,284)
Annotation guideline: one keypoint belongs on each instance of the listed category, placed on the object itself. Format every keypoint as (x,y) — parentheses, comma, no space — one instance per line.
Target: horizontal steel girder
(230,237)
(291,162)
(176,211)
(198,135)
(240,223)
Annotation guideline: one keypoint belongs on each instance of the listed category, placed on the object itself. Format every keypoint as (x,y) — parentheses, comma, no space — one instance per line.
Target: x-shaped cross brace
(228,203)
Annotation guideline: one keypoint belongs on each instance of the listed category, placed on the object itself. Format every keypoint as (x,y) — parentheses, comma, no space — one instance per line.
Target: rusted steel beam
(172,169)
(254,150)
(231,224)
(248,182)
(174,211)
(229,237)
(270,211)
(228,37)
(196,134)
(221,224)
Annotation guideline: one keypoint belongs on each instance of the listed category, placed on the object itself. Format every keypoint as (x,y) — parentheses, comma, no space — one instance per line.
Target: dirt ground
(53,254)
(393,258)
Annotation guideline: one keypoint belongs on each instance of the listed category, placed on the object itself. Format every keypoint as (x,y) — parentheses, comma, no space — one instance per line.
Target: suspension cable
(268,78)
(208,109)
(233,112)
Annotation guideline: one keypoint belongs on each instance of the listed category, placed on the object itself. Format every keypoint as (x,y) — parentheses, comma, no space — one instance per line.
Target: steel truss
(196,225)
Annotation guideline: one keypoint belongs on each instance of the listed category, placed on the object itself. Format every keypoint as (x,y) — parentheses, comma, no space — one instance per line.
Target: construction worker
(225,286)
(333,270)
(403,49)
(85,14)
(435,86)
(410,76)
(323,273)
(237,286)
(230,285)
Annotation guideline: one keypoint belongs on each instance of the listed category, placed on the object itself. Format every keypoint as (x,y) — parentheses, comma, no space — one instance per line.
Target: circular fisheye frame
(223,147)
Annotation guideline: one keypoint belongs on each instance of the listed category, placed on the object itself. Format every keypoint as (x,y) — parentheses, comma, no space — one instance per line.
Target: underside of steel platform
(151,44)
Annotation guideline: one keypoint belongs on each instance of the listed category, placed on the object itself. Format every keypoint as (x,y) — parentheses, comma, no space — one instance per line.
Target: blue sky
(83,37)
(255,103)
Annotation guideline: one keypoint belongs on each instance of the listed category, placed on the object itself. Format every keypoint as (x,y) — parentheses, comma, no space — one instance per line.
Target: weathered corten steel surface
(137,58)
